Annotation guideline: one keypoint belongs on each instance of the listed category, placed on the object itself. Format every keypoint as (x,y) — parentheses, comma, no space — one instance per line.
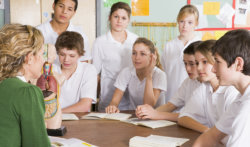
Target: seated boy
(232,67)
(79,88)
(182,95)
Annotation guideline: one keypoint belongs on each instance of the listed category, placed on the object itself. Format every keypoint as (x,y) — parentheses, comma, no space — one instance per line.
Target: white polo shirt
(184,92)
(235,122)
(109,57)
(172,62)
(127,79)
(81,84)
(50,37)
(206,106)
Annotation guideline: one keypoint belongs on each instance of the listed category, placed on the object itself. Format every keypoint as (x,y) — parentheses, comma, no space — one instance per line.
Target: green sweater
(22,115)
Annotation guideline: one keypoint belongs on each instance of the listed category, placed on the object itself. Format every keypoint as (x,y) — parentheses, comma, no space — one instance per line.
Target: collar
(110,37)
(21,78)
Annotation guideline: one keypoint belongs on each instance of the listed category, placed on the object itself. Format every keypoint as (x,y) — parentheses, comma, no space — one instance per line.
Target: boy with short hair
(232,67)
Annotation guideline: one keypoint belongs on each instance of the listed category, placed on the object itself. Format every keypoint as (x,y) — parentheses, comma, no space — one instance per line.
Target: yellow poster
(140,7)
(219,34)
(211,8)
(207,35)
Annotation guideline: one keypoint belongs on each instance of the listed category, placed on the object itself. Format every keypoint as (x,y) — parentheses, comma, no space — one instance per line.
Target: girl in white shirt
(112,52)
(145,82)
(209,101)
(172,57)
(181,97)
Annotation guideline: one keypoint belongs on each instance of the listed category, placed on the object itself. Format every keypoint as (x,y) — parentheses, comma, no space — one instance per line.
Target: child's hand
(151,65)
(112,109)
(145,112)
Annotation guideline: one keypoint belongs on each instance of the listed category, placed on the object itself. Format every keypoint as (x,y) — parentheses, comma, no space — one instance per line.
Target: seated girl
(182,96)
(145,81)
(79,88)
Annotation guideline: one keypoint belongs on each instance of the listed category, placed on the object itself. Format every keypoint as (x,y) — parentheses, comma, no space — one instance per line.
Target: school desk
(112,133)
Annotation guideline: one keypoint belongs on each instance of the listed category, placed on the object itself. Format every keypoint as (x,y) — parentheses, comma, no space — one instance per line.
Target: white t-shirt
(109,58)
(81,84)
(172,62)
(235,122)
(206,106)
(127,79)
(184,92)
(50,37)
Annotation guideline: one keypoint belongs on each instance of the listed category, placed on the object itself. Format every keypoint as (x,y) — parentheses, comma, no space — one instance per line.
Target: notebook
(149,123)
(72,142)
(113,116)
(69,116)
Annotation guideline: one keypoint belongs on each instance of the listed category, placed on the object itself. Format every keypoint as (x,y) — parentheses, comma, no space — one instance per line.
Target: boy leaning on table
(232,67)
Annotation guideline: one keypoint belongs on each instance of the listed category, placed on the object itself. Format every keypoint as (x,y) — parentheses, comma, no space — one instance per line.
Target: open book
(156,141)
(149,123)
(72,142)
(114,116)
(69,116)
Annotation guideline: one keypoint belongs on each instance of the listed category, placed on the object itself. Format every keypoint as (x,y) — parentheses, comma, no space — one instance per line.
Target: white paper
(1,4)
(156,141)
(226,14)
(114,116)
(72,142)
(69,116)
(241,12)
(203,23)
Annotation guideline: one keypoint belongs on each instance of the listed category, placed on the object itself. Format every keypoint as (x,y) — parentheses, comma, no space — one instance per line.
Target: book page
(94,115)
(69,116)
(72,142)
(114,116)
(150,123)
(155,140)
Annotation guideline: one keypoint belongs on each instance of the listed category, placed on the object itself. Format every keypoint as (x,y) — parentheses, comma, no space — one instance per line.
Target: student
(232,52)
(209,101)
(79,89)
(64,10)
(181,97)
(172,57)
(21,104)
(112,52)
(146,82)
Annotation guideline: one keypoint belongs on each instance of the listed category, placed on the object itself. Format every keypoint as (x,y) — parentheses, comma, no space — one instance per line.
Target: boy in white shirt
(232,52)
(64,10)
(181,97)
(209,101)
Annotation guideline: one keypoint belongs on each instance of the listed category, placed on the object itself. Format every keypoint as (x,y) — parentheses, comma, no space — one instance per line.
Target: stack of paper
(149,123)
(156,141)
(114,116)
(72,142)
(69,116)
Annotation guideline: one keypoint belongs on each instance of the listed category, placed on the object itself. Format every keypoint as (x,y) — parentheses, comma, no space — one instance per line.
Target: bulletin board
(222,15)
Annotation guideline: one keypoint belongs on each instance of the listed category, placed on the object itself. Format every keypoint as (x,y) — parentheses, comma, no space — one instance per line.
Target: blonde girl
(145,82)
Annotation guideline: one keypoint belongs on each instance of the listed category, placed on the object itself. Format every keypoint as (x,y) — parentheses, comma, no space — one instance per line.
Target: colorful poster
(109,3)
(211,8)
(140,7)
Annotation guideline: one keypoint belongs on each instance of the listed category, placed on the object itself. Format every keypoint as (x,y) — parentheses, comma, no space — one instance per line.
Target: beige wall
(33,12)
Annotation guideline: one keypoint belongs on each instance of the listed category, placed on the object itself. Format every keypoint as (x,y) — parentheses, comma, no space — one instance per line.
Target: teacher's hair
(16,42)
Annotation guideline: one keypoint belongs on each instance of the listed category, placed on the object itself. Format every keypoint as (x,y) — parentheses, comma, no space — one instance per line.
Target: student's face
(35,64)
(68,58)
(190,65)
(119,20)
(204,68)
(141,56)
(187,25)
(64,10)
(222,71)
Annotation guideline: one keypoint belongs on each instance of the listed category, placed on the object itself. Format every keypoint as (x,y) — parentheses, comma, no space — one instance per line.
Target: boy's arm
(210,138)
(83,105)
(190,123)
(169,107)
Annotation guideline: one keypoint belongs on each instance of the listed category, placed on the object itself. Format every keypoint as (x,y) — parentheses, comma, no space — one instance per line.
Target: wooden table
(111,133)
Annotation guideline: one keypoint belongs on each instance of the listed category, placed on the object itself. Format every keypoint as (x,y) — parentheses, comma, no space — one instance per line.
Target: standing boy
(64,10)
(232,67)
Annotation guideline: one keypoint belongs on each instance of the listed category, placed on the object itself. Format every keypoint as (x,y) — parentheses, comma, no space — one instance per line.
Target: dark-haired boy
(232,67)
(64,10)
